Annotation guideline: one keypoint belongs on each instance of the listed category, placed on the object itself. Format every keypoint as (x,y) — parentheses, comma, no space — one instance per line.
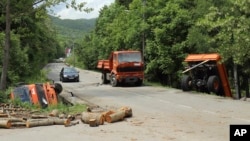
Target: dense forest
(66,28)
(164,30)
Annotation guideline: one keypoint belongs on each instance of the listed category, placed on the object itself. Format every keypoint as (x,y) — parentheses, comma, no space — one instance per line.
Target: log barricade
(12,117)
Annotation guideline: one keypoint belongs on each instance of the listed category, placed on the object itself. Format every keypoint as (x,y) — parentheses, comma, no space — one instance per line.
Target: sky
(69,13)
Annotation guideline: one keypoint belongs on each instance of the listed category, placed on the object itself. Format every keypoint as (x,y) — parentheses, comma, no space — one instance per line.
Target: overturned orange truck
(206,73)
(40,94)
(122,67)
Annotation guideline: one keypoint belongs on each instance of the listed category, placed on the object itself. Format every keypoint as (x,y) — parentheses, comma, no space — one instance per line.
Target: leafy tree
(228,29)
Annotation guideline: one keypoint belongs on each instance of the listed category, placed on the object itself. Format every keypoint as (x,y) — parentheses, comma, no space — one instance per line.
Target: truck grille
(130,69)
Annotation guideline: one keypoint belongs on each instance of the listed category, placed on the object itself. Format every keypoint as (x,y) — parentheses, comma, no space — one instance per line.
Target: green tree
(229,31)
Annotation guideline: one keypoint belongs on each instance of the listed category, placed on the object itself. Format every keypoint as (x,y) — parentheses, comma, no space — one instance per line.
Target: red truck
(122,67)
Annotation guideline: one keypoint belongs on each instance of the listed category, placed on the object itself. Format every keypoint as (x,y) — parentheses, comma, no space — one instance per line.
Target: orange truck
(206,73)
(41,94)
(122,67)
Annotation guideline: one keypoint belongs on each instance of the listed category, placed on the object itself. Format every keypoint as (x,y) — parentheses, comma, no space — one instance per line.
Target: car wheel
(77,79)
(63,80)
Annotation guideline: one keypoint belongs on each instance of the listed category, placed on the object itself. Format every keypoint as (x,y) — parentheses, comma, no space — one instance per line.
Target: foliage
(172,29)
(169,29)
(62,108)
(67,28)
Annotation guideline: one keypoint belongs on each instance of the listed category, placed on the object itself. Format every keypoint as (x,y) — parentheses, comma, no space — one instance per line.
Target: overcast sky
(69,13)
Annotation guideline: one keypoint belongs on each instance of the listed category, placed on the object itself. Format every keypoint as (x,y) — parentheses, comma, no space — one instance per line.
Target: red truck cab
(122,67)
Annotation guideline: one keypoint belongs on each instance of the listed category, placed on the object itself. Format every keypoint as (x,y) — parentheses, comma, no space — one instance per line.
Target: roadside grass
(61,107)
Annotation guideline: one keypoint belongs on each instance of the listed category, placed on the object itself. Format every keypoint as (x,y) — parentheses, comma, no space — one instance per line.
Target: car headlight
(64,75)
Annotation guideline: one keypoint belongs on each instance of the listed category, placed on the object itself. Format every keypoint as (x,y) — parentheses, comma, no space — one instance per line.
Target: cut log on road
(13,119)
(107,113)
(117,116)
(72,123)
(5,124)
(18,124)
(128,111)
(92,123)
(54,113)
(86,116)
(36,116)
(47,122)
(3,115)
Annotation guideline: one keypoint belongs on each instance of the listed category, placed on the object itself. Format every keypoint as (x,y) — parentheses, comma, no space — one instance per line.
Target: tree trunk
(236,82)
(6,48)
(247,88)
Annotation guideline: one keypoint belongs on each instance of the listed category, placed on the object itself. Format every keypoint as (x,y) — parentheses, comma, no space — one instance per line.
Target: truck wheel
(58,88)
(186,83)
(104,78)
(213,84)
(138,83)
(113,81)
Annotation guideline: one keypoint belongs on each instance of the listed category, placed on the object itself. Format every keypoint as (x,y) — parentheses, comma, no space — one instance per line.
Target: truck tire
(113,81)
(138,83)
(104,78)
(186,83)
(58,88)
(213,84)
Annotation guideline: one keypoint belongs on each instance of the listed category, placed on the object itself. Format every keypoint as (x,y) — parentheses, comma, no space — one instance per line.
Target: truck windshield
(129,57)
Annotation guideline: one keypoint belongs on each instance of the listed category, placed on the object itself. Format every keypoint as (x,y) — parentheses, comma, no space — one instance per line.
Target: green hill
(73,28)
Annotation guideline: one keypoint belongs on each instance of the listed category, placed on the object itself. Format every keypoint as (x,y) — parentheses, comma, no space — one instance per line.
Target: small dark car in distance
(69,74)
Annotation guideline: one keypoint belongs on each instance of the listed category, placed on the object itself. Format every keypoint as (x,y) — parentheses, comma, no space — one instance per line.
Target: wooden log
(72,123)
(47,122)
(86,116)
(128,111)
(117,116)
(64,122)
(44,122)
(3,115)
(107,113)
(5,124)
(18,124)
(13,119)
(36,116)
(54,113)
(92,123)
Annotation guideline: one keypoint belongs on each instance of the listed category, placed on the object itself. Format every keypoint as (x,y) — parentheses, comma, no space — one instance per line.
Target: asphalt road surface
(159,114)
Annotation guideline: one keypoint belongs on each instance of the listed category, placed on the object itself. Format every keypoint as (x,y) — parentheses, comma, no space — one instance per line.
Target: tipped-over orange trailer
(122,67)
(206,73)
(41,94)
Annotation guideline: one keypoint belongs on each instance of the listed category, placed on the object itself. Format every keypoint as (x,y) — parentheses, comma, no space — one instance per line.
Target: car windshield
(129,57)
(70,70)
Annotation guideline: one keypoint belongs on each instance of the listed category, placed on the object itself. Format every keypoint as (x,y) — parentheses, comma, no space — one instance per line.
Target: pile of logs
(17,117)
(98,118)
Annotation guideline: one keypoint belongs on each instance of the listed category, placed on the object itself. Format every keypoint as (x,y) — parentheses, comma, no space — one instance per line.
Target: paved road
(159,114)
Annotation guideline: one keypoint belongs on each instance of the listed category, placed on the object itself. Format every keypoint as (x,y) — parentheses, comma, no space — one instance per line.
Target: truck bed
(103,64)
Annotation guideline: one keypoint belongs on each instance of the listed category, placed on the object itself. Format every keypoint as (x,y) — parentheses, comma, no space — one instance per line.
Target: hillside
(68,28)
